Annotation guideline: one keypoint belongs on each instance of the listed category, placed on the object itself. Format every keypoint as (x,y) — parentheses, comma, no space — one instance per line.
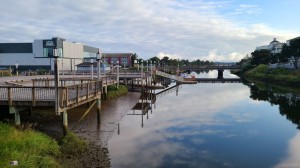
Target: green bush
(113,91)
(29,148)
(261,69)
(73,145)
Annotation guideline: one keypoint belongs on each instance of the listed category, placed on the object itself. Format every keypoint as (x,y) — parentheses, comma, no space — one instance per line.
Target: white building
(39,54)
(274,46)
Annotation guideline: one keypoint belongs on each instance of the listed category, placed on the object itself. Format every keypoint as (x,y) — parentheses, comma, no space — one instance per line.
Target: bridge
(219,68)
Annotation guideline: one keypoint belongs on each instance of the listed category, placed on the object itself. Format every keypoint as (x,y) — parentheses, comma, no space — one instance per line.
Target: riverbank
(93,151)
(279,76)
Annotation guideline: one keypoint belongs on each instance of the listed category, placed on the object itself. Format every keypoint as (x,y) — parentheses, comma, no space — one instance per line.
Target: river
(211,125)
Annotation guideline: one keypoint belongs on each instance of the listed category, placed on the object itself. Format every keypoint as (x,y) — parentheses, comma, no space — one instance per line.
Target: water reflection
(207,125)
(292,160)
(289,103)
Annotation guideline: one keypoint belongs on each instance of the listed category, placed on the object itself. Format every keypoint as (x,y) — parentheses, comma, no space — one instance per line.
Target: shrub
(73,145)
(113,91)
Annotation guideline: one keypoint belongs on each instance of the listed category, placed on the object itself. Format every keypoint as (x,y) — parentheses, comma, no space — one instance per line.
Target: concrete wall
(72,54)
(37,48)
(22,59)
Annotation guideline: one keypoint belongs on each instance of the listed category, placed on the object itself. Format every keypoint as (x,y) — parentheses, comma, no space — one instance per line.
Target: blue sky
(217,30)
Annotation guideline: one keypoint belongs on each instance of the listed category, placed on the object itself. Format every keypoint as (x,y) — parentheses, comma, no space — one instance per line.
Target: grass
(29,148)
(35,149)
(113,91)
(277,75)
(73,145)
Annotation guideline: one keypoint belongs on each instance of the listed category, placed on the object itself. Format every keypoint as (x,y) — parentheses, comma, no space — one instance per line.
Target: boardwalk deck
(72,92)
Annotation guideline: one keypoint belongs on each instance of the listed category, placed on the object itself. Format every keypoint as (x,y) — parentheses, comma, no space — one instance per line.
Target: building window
(89,54)
(124,60)
(48,52)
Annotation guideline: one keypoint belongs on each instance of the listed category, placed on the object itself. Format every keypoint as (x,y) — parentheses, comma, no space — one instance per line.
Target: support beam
(105,92)
(17,119)
(64,116)
(98,111)
(220,74)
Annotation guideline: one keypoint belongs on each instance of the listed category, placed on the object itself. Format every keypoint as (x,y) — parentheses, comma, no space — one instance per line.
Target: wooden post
(33,96)
(9,94)
(98,111)
(77,94)
(67,97)
(64,116)
(105,92)
(17,118)
(87,90)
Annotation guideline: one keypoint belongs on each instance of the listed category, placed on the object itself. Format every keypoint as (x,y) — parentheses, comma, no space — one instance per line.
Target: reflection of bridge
(219,68)
(212,80)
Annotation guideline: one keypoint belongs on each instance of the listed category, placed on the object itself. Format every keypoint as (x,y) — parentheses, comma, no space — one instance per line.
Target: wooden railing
(68,95)
(75,80)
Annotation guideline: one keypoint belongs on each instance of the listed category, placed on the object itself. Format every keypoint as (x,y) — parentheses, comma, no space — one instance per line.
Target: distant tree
(260,57)
(156,59)
(165,60)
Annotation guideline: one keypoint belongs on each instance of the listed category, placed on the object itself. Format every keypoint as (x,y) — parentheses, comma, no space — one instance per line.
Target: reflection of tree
(289,103)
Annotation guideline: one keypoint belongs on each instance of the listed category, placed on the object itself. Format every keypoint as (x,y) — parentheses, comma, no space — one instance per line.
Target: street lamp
(98,64)
(147,65)
(92,68)
(74,66)
(117,74)
(62,66)
(17,73)
(56,77)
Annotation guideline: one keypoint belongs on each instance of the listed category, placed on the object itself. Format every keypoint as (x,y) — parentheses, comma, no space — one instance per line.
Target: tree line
(290,52)
(170,62)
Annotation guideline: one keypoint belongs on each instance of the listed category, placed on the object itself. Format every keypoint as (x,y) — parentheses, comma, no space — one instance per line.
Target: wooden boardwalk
(72,92)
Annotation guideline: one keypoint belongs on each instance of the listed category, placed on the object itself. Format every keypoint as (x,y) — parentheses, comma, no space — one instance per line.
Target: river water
(211,125)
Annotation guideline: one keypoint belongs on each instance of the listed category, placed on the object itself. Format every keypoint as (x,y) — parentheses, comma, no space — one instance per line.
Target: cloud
(182,29)
(160,55)
(292,160)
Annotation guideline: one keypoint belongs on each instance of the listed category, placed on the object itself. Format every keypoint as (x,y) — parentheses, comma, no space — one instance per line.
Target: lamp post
(136,62)
(142,67)
(17,73)
(98,64)
(92,68)
(147,65)
(74,66)
(56,77)
(118,74)
(62,66)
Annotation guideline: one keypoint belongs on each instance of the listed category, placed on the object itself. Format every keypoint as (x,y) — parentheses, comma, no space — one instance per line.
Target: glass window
(48,52)
(89,54)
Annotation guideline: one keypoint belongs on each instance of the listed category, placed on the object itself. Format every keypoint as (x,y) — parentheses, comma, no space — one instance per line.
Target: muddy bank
(97,136)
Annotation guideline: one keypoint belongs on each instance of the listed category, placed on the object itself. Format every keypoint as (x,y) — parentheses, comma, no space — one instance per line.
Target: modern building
(38,55)
(274,46)
(123,59)
(107,59)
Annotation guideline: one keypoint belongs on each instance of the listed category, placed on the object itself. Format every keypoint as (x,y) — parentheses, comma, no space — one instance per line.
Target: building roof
(86,64)
(108,55)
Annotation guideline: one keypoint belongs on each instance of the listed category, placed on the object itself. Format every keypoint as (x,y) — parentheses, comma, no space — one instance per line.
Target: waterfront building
(107,59)
(124,59)
(274,46)
(38,55)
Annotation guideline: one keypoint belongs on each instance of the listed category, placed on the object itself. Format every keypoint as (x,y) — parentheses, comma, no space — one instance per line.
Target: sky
(214,30)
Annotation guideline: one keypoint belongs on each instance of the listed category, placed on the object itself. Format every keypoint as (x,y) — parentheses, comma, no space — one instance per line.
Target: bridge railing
(68,95)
